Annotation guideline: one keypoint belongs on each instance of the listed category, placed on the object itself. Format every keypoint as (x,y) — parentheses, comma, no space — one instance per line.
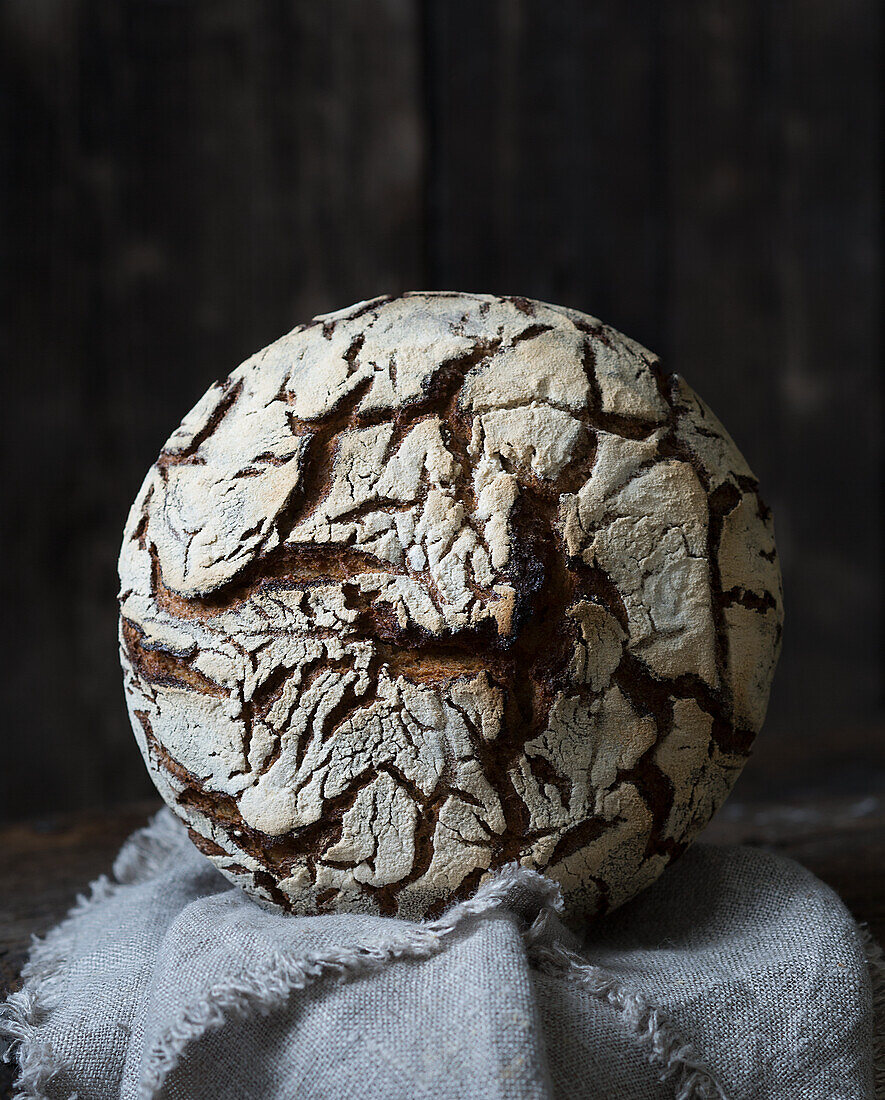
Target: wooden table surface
(45,863)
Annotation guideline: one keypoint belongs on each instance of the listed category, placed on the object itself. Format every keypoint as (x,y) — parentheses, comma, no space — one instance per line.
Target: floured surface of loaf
(439,582)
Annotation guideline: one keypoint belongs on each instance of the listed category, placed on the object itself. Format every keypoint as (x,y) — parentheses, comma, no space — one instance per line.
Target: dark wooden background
(181,181)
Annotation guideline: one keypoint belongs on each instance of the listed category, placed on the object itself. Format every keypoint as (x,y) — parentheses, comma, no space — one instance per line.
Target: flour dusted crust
(438,582)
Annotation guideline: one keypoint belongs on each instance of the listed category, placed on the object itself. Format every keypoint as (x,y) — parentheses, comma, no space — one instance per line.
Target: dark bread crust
(381,632)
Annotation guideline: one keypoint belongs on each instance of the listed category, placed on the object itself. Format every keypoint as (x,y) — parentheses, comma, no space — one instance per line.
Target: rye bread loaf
(439,582)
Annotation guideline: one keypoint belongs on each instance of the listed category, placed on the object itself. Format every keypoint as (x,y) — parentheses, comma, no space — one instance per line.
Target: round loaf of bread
(440,582)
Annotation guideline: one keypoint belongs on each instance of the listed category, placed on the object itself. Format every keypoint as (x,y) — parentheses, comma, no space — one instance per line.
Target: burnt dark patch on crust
(753,601)
(719,504)
(156,665)
(205,845)
(524,305)
(317,465)
(578,837)
(286,567)
(530,333)
(626,426)
(528,662)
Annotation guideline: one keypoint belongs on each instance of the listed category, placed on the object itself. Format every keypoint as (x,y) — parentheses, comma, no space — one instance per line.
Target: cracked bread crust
(438,582)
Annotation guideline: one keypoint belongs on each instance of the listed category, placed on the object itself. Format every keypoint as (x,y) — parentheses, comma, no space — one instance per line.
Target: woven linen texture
(737,975)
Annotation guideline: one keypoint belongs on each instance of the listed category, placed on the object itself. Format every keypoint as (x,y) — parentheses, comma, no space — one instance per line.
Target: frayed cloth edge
(876,966)
(37,1064)
(265,989)
(142,857)
(139,859)
(21,1012)
(667,1050)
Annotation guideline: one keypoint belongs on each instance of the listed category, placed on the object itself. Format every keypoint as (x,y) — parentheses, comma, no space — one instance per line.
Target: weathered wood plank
(772,176)
(190,180)
(46,863)
(827,247)
(545,158)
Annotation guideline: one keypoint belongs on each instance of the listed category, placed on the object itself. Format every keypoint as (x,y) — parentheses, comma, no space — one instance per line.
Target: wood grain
(188,180)
(545,154)
(772,116)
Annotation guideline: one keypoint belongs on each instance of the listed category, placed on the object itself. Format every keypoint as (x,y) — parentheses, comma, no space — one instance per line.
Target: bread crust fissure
(441,582)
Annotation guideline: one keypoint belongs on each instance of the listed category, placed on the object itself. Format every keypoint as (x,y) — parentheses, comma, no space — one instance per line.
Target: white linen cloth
(738,975)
